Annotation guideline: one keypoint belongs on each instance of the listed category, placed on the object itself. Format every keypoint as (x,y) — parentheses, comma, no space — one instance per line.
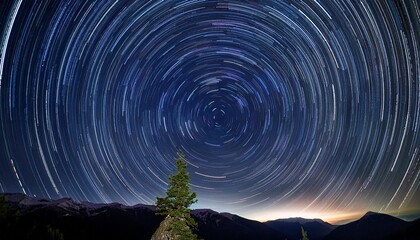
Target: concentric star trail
(303,106)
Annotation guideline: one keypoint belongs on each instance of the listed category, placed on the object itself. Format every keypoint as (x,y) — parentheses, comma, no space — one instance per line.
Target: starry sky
(283,108)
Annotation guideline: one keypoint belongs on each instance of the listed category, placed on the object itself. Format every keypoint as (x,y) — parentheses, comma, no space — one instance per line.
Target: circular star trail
(310,106)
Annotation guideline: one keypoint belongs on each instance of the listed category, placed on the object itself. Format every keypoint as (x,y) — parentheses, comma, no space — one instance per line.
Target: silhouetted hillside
(37,218)
(213,225)
(23,217)
(411,232)
(372,226)
(316,228)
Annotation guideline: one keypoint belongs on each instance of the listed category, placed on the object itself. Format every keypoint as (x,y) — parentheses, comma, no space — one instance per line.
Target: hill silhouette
(38,218)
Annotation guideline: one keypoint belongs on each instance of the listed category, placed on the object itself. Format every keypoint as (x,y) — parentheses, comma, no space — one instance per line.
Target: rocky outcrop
(164,230)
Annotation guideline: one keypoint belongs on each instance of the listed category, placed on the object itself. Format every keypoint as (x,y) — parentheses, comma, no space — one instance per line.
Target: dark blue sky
(283,108)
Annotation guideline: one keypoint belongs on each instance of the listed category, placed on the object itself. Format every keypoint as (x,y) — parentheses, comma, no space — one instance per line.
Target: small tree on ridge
(304,234)
(175,206)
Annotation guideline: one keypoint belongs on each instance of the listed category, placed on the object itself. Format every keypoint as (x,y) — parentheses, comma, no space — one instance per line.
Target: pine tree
(175,206)
(304,234)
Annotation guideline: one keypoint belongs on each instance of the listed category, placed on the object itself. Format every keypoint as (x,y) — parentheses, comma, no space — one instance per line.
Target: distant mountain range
(291,227)
(24,217)
(377,226)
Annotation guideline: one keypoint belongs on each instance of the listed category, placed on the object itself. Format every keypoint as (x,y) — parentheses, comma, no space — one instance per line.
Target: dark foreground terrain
(24,217)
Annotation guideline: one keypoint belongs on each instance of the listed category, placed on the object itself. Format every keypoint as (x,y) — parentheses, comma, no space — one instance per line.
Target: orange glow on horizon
(335,217)
(330,217)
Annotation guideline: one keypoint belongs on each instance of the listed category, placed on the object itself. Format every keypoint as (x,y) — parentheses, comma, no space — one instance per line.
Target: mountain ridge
(373,225)
(34,217)
(316,228)
(84,220)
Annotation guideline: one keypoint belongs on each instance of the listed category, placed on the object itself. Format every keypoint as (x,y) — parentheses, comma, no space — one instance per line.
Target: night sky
(283,108)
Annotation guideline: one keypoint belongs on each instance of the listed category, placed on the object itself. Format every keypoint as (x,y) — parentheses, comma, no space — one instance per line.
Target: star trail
(281,107)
